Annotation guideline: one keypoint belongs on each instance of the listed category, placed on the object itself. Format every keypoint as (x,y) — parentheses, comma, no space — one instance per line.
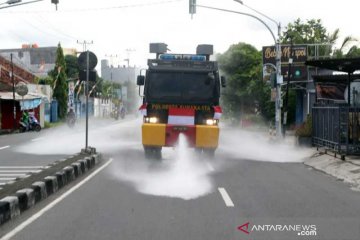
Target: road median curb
(24,194)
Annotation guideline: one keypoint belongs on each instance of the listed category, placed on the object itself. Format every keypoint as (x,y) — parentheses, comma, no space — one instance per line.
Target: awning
(29,101)
(348,65)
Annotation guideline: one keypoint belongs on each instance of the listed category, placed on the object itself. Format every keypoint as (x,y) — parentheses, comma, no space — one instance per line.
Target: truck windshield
(181,86)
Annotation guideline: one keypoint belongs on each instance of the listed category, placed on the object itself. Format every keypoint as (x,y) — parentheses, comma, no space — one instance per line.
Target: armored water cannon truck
(180,95)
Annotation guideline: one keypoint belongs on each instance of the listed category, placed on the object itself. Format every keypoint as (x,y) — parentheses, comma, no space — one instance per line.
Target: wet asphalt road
(180,198)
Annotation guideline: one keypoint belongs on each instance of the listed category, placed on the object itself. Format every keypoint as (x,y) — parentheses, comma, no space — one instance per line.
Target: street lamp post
(279,79)
(14,3)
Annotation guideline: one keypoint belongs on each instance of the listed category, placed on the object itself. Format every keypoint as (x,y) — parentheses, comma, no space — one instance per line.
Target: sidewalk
(5,131)
(347,170)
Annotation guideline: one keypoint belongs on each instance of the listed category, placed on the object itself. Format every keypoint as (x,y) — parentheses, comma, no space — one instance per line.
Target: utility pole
(85,43)
(128,52)
(111,59)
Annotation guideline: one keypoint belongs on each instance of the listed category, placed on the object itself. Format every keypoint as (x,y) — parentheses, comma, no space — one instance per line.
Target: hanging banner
(71,96)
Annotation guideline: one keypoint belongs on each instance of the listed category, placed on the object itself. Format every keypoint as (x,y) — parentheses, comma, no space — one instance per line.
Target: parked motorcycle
(31,125)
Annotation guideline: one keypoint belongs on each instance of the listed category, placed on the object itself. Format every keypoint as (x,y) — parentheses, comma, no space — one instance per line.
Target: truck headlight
(151,120)
(211,122)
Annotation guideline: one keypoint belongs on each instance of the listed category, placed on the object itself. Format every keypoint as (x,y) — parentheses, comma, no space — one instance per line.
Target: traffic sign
(82,60)
(21,89)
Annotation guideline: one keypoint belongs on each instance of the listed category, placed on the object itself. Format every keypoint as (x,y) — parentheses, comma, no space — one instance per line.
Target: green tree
(310,32)
(59,83)
(72,67)
(313,32)
(245,91)
(352,52)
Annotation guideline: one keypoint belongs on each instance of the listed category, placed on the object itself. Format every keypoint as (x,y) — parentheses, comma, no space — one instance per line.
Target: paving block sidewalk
(347,170)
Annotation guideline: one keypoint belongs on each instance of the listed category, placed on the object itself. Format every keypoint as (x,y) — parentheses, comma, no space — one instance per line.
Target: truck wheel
(147,152)
(209,153)
(157,153)
(198,152)
(152,152)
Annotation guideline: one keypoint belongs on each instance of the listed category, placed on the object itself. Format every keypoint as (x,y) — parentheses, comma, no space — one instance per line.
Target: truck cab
(180,95)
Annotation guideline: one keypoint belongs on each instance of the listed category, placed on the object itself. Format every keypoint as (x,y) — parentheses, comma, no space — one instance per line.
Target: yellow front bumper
(153,134)
(207,136)
(159,135)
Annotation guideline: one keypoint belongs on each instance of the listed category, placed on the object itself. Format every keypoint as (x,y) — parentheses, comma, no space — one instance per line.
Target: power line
(39,29)
(103,8)
(55,29)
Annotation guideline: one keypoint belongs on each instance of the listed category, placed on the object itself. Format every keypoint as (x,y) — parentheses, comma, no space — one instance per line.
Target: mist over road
(187,197)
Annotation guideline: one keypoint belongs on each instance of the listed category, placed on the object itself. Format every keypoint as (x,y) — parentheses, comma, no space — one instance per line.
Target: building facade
(37,60)
(126,76)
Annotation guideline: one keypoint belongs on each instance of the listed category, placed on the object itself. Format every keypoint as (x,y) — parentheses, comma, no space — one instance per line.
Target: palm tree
(339,53)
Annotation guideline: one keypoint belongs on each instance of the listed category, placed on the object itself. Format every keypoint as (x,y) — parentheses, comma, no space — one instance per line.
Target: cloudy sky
(124,28)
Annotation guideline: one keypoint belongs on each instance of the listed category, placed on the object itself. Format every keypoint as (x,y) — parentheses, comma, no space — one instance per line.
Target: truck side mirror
(140,80)
(223,81)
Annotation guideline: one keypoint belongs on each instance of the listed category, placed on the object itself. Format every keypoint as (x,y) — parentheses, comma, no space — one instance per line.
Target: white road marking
(20,171)
(36,139)
(226,197)
(12,174)
(4,147)
(7,179)
(52,204)
(21,167)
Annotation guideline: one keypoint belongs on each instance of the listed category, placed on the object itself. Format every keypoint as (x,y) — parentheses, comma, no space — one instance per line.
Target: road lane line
(4,147)
(21,167)
(20,171)
(24,224)
(226,197)
(36,139)
(7,179)
(12,174)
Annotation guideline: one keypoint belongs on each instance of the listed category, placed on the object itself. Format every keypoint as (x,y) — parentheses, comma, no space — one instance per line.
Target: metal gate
(337,127)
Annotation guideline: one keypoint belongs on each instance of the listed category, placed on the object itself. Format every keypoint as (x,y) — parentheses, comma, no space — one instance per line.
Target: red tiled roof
(20,74)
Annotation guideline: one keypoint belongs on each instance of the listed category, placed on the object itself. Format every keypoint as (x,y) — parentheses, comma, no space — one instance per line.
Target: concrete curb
(343,170)
(13,205)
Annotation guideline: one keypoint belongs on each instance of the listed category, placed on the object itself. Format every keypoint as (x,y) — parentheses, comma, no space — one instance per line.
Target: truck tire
(209,153)
(152,152)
